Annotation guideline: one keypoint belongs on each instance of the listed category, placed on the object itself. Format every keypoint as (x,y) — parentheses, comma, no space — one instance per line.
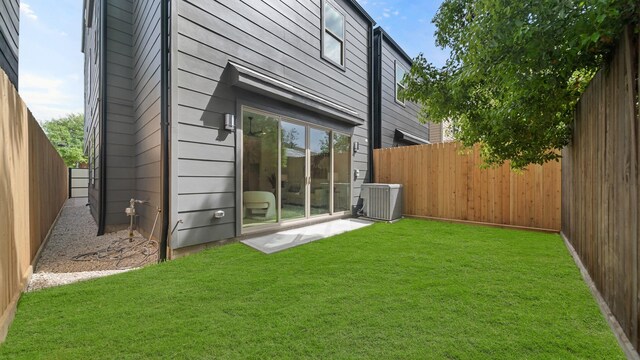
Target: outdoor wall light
(229,122)
(356,147)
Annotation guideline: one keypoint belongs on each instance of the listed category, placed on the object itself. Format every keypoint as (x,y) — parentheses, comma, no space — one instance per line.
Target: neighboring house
(396,121)
(9,30)
(436,133)
(234,118)
(439,133)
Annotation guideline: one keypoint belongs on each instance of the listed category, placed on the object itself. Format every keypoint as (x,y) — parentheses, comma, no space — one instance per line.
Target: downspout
(370,167)
(102,218)
(377,120)
(164,125)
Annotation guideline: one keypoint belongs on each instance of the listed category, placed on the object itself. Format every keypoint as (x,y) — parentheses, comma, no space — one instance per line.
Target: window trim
(93,156)
(327,32)
(402,102)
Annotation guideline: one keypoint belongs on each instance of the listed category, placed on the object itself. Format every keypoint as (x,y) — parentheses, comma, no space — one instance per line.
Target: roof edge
(362,11)
(394,44)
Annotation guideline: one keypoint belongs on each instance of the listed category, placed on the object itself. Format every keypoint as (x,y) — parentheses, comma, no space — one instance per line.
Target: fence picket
(441,181)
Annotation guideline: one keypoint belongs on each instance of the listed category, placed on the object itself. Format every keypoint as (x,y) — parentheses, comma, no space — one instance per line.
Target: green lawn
(414,289)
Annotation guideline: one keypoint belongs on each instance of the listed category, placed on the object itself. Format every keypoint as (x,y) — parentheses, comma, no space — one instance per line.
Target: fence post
(69,181)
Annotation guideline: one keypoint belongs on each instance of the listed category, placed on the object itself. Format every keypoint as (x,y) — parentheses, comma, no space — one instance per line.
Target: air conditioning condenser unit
(382,201)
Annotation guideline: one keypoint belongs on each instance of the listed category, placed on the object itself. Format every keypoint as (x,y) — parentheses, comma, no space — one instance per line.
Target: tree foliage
(67,134)
(516,71)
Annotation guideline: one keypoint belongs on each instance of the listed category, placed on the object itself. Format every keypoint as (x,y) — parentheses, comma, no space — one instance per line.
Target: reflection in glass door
(292,170)
(259,169)
(294,173)
(319,171)
(341,172)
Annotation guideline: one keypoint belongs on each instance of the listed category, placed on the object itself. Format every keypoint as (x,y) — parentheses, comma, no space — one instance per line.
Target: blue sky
(51,64)
(409,24)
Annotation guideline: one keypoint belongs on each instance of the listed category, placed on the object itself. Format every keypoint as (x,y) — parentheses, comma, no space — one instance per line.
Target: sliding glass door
(292,170)
(260,169)
(341,172)
(320,170)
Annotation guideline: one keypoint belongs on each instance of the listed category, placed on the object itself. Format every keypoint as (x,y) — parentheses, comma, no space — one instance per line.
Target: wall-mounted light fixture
(356,147)
(229,122)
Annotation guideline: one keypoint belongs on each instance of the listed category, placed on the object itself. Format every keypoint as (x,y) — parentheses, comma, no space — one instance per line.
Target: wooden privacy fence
(33,189)
(600,185)
(442,181)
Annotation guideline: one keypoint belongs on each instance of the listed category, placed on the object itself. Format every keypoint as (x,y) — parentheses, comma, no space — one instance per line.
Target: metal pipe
(102,218)
(164,124)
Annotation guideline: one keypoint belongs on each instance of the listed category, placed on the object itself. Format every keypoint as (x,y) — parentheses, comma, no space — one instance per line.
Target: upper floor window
(400,73)
(333,30)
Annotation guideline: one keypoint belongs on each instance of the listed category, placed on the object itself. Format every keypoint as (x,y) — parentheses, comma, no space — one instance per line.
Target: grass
(414,289)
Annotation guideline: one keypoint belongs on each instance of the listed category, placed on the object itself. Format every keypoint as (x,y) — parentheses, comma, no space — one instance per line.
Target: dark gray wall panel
(92,64)
(280,39)
(204,218)
(146,110)
(202,235)
(194,202)
(9,33)
(119,147)
(394,115)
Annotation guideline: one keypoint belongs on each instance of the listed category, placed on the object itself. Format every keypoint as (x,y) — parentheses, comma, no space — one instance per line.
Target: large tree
(516,71)
(67,134)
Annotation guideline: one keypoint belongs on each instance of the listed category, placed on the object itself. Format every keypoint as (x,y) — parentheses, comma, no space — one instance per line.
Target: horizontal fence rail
(446,181)
(600,208)
(33,189)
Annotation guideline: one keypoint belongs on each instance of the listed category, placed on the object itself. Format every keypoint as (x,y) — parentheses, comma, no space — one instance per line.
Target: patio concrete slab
(287,239)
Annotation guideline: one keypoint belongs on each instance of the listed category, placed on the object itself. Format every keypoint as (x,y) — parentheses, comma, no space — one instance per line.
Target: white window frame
(328,32)
(397,83)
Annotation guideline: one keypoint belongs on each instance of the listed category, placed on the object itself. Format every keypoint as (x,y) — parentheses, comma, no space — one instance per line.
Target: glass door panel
(319,171)
(341,172)
(293,179)
(259,169)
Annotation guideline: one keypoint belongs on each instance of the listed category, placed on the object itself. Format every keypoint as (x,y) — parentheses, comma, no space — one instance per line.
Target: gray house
(233,118)
(9,30)
(395,120)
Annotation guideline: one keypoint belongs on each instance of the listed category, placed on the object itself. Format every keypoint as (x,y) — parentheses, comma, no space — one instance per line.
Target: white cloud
(27,11)
(49,97)
(387,12)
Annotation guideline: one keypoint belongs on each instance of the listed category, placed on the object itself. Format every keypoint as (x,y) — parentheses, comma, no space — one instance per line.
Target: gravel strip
(74,238)
(44,280)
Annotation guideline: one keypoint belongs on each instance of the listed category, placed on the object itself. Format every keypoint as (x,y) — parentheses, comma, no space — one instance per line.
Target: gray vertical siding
(392,114)
(92,63)
(120,126)
(9,30)
(280,39)
(146,110)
